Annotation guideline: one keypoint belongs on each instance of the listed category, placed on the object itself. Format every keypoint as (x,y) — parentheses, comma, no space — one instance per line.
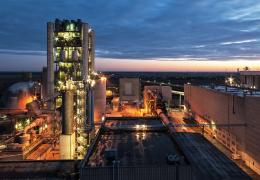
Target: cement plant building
(234,117)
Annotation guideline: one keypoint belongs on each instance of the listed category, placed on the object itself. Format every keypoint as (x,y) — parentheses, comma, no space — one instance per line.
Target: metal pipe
(91,108)
(50,63)
(92,50)
(85,39)
(67,112)
(75,55)
(37,122)
(62,55)
(180,101)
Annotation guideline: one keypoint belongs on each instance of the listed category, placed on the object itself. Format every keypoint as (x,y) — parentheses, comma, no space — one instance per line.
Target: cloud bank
(168,29)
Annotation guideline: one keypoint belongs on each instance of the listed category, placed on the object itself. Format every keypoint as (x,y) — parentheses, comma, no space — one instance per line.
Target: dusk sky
(139,35)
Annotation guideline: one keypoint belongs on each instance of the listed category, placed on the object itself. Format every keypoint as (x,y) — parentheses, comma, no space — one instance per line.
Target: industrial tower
(71,76)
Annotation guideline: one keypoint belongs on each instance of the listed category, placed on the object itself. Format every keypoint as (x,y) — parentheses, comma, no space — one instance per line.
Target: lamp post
(40,85)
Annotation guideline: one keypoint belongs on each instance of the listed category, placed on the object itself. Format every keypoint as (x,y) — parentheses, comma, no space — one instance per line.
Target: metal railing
(183,172)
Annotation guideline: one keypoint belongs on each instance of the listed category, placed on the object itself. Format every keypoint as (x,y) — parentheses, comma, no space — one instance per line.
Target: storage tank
(12,102)
(99,99)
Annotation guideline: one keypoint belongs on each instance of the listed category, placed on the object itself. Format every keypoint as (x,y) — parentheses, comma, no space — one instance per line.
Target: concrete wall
(129,89)
(252,149)
(167,94)
(224,108)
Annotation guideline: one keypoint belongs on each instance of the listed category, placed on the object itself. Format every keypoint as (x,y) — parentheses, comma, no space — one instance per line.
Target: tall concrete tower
(70,61)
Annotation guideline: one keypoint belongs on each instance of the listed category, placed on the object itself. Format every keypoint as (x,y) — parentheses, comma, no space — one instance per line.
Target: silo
(100,99)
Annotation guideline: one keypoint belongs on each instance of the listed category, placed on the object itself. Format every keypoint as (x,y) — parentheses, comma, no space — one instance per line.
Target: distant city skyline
(204,35)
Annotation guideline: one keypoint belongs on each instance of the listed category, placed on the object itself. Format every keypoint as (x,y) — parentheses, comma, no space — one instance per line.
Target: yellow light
(142,127)
(92,83)
(103,78)
(213,125)
(140,136)
(230,80)
(66,35)
(109,93)
(144,135)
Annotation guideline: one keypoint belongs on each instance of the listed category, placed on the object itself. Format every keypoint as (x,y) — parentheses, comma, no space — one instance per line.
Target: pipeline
(165,120)
(45,118)
(37,122)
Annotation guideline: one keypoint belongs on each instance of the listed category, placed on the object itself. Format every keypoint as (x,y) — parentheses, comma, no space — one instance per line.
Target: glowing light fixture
(103,78)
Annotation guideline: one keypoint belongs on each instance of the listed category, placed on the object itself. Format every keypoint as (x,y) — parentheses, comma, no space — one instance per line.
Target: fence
(137,173)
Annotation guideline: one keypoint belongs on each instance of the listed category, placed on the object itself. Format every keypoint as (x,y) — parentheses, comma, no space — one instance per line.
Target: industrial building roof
(234,90)
(136,147)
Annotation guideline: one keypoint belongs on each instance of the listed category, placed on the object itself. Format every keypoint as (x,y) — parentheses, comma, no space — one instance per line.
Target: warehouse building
(250,79)
(129,90)
(234,118)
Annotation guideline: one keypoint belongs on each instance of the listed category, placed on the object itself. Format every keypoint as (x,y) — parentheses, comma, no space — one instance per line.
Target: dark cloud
(211,29)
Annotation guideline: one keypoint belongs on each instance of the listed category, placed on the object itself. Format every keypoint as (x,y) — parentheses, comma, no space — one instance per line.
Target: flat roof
(234,90)
(151,148)
(135,148)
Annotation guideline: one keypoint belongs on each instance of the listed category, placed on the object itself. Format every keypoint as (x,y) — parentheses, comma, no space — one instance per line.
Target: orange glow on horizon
(105,64)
